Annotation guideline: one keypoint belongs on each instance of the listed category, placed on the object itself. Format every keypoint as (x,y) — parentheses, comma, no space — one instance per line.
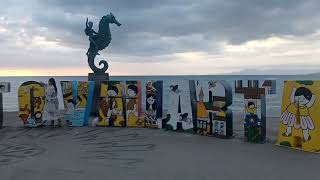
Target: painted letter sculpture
(4,88)
(299,126)
(99,41)
(255,107)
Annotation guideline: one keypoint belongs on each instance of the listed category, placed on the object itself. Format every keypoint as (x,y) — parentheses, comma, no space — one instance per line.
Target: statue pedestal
(97,78)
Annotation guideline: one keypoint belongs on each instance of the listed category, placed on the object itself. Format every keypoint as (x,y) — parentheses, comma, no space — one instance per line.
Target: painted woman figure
(52,103)
(151,107)
(113,112)
(132,109)
(297,113)
(104,107)
(113,105)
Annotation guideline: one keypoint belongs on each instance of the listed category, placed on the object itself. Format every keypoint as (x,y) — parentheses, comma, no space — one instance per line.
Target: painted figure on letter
(297,113)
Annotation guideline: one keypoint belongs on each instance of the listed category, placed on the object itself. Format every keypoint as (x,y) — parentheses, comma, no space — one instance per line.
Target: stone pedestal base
(97,78)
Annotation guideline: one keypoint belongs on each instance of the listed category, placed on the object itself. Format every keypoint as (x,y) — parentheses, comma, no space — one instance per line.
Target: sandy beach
(130,153)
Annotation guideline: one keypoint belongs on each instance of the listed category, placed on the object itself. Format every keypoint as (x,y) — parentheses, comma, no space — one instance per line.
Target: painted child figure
(297,113)
(252,123)
(52,103)
(251,119)
(104,106)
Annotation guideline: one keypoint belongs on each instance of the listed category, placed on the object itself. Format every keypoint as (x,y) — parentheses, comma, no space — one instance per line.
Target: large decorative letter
(255,108)
(300,123)
(178,106)
(77,99)
(31,97)
(212,101)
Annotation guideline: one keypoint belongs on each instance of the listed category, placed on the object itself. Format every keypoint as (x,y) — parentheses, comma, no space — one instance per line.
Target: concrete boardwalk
(135,154)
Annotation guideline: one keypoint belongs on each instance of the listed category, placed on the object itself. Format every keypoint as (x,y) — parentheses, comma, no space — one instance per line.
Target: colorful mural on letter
(153,106)
(178,106)
(133,104)
(31,99)
(213,116)
(77,99)
(111,105)
(255,107)
(299,126)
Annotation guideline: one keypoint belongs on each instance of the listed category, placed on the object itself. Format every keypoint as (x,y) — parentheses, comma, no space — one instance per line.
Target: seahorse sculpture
(99,41)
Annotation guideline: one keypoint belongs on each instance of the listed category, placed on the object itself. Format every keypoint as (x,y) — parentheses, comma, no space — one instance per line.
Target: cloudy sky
(167,37)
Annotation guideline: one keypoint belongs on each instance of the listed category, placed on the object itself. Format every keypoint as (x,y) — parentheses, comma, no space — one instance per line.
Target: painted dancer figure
(297,113)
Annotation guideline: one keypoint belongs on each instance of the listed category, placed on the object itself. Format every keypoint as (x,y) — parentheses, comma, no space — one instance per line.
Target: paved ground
(135,154)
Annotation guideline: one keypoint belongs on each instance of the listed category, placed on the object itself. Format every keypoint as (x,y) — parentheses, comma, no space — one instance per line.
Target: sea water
(273,101)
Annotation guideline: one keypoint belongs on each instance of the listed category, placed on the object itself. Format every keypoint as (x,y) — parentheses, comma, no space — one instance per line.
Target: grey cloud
(235,21)
(160,28)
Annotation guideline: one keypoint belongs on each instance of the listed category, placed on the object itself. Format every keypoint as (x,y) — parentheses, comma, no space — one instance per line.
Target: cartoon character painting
(133,98)
(67,88)
(300,116)
(111,104)
(253,121)
(151,109)
(297,114)
(153,106)
(70,109)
